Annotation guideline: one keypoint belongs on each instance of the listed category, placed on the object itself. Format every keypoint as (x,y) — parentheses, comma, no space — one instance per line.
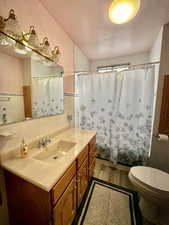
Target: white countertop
(43,174)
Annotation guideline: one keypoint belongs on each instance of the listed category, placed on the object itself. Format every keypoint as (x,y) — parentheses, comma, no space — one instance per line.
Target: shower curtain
(47,96)
(119,106)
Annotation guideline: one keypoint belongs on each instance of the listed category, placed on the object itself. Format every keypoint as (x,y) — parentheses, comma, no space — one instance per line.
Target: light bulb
(122,11)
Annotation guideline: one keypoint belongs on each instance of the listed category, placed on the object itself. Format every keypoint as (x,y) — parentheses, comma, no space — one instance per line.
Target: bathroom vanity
(47,187)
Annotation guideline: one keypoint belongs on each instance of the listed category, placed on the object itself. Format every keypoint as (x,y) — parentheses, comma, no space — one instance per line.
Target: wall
(133,59)
(82,63)
(159,157)
(45,25)
(155,51)
(155,55)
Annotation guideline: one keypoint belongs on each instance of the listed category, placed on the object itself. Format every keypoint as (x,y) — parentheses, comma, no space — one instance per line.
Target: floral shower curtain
(119,106)
(47,96)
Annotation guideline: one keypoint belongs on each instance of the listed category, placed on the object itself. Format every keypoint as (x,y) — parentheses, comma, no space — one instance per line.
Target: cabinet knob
(78,181)
(78,178)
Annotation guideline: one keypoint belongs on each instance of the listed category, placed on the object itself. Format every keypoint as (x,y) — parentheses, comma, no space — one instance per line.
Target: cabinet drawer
(62,184)
(83,155)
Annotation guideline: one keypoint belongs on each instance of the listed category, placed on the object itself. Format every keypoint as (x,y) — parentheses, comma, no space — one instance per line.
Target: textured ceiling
(87,23)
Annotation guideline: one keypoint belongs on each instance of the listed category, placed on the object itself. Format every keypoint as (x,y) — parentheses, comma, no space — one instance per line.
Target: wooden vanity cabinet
(30,205)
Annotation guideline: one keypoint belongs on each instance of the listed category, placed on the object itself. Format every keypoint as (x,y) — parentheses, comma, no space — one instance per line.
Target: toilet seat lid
(152,177)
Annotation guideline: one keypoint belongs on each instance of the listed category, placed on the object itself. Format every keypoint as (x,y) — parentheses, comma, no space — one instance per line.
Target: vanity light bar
(11,28)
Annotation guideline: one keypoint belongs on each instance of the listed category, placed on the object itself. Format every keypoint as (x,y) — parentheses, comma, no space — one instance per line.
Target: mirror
(47,88)
(31,86)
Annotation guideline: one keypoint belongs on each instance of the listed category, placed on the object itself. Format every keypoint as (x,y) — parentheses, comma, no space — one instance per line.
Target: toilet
(153,186)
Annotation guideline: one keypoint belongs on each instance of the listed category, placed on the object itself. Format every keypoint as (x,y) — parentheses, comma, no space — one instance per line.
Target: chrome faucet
(44,142)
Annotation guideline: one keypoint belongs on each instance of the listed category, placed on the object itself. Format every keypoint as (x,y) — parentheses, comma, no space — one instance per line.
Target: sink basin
(54,152)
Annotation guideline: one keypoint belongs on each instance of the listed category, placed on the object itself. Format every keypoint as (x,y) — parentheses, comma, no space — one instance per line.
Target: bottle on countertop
(24,148)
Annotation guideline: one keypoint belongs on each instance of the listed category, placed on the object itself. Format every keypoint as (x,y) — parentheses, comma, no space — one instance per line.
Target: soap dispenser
(24,148)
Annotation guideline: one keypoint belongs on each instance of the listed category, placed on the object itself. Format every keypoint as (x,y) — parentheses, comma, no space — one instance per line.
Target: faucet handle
(44,141)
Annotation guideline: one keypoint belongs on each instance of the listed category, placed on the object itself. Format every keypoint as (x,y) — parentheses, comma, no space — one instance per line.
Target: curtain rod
(130,66)
(144,64)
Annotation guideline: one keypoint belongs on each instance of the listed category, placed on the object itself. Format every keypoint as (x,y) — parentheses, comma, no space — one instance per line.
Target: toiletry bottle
(4,116)
(24,148)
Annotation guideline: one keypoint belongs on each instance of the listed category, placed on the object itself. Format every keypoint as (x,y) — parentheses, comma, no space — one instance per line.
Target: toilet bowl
(153,187)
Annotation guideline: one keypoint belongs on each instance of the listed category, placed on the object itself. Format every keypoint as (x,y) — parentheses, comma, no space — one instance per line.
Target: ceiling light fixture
(122,11)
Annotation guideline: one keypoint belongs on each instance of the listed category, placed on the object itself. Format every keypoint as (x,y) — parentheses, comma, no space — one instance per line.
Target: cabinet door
(65,209)
(82,180)
(164,115)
